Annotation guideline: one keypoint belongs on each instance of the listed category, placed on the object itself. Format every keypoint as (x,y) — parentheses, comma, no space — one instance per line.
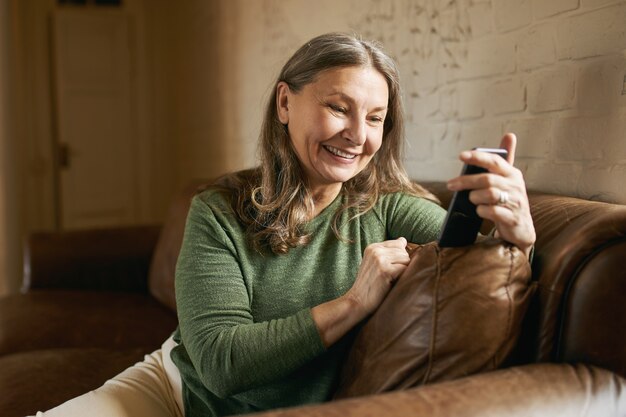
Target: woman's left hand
(499,195)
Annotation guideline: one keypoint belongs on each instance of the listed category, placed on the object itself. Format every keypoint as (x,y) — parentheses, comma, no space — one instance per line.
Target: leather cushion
(42,379)
(114,259)
(453,312)
(163,264)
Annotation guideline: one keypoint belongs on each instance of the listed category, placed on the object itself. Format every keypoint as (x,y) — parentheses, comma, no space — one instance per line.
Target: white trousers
(151,388)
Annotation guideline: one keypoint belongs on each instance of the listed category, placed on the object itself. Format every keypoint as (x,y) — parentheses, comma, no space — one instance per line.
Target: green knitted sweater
(247,341)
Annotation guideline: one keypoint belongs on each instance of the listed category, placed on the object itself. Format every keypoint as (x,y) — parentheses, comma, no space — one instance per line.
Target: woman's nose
(356,132)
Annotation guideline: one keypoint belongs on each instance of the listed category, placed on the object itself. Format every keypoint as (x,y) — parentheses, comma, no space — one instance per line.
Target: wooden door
(95,118)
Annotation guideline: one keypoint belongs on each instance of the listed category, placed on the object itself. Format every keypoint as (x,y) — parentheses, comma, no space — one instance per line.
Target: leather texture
(66,319)
(38,381)
(530,391)
(105,259)
(163,264)
(593,328)
(453,312)
(579,266)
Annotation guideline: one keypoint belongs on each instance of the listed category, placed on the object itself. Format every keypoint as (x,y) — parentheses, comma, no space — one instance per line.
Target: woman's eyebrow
(351,100)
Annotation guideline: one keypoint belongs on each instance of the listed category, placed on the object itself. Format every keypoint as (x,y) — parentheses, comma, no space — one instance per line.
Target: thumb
(509,142)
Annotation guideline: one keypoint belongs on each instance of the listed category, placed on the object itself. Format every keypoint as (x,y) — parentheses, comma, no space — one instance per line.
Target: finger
(486,196)
(509,142)
(499,215)
(491,162)
(400,243)
(491,196)
(478,182)
(395,256)
(395,271)
(385,253)
(400,259)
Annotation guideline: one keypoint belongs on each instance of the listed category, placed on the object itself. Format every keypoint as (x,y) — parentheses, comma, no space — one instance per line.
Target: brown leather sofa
(94,302)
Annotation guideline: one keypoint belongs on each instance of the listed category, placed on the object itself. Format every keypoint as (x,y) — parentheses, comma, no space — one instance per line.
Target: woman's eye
(338,109)
(376,119)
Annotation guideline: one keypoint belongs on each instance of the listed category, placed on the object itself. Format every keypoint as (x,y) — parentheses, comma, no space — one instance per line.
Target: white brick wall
(506,96)
(473,97)
(561,93)
(512,14)
(599,85)
(594,33)
(536,47)
(579,139)
(551,90)
(481,19)
(533,136)
(488,57)
(550,70)
(546,8)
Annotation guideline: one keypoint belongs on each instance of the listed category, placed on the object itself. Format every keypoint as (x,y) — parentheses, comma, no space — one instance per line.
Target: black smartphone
(462,224)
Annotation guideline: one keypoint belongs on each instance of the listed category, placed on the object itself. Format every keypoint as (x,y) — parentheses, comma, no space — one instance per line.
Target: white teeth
(339,152)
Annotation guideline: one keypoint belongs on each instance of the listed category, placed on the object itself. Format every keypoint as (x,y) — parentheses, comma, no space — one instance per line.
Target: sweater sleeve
(417,219)
(229,350)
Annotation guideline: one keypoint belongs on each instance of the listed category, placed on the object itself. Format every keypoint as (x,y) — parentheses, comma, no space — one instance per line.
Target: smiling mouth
(339,152)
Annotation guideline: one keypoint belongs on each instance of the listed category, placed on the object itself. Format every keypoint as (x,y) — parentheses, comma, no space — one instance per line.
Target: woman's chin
(341,174)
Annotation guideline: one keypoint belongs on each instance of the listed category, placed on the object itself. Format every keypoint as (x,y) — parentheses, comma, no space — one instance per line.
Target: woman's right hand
(381,266)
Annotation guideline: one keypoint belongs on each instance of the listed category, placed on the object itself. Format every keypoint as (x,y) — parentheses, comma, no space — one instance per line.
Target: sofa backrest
(163,263)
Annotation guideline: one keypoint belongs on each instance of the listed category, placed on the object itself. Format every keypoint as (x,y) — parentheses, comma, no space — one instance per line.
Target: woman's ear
(282,102)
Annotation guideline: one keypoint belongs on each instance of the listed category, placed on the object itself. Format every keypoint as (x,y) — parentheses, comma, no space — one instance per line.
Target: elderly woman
(280,263)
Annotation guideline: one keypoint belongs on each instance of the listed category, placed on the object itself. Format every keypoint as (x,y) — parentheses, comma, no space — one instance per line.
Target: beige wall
(193,87)
(551,71)
(10,265)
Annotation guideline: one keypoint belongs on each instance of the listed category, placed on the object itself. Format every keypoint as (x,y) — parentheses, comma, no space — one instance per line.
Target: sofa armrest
(530,390)
(579,256)
(97,259)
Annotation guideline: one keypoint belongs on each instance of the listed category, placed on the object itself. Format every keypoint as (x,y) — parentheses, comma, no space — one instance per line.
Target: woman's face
(335,123)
